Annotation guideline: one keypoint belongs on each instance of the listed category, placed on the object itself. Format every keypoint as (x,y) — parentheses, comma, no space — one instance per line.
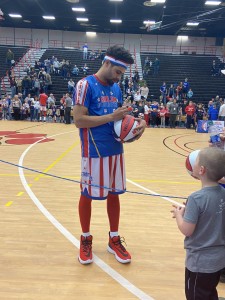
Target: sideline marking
(57,160)
(9,203)
(20,194)
(100,263)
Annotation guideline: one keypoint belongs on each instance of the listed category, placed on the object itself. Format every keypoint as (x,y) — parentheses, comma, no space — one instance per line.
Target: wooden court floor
(39,223)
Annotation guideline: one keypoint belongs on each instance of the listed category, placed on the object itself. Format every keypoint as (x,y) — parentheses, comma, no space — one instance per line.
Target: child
(162,113)
(222,183)
(202,221)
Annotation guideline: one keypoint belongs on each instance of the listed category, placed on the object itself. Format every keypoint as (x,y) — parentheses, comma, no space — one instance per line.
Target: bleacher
(59,85)
(175,68)
(18,53)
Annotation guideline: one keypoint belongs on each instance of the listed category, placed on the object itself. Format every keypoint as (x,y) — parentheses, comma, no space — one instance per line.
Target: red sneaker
(85,256)
(115,247)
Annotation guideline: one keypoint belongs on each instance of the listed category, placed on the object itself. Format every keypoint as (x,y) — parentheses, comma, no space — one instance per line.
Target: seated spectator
(75,70)
(85,69)
(144,91)
(91,55)
(130,91)
(71,85)
(137,96)
(190,94)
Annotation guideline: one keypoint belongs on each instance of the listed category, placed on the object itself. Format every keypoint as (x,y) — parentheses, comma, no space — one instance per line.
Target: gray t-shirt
(68,102)
(173,108)
(206,246)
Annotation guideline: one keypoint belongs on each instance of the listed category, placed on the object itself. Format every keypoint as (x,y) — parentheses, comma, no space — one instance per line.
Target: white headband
(115,61)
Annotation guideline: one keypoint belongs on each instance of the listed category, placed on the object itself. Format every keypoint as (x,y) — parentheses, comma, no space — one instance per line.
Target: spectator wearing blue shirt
(186,87)
(154,113)
(213,113)
(163,92)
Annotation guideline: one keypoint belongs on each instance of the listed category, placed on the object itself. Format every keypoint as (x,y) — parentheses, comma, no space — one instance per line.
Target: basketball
(124,130)
(190,161)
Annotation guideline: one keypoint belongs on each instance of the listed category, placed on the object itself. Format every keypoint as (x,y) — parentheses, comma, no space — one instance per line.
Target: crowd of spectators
(174,108)
(173,114)
(217,68)
(29,108)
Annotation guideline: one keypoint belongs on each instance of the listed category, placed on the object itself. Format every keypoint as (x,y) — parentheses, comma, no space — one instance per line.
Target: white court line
(154,193)
(100,263)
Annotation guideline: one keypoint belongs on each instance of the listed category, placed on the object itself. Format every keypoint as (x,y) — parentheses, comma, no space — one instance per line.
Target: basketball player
(43,102)
(98,103)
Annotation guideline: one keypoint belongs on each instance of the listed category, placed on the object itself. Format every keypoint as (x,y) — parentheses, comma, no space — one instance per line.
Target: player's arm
(83,120)
(186,228)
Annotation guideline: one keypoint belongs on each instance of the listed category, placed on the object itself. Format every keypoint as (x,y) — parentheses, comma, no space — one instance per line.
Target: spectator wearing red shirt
(190,111)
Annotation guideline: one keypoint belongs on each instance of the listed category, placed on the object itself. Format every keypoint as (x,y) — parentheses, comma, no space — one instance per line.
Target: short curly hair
(120,53)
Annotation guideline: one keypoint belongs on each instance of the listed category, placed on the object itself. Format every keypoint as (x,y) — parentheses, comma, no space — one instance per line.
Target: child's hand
(177,210)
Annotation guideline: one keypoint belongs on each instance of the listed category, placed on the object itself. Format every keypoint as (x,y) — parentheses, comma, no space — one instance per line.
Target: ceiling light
(115,21)
(148,22)
(182,37)
(48,17)
(192,24)
(80,9)
(15,16)
(91,33)
(116,0)
(158,1)
(82,19)
(212,2)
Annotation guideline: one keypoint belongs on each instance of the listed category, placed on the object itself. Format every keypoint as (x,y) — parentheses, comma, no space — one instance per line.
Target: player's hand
(140,128)
(120,112)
